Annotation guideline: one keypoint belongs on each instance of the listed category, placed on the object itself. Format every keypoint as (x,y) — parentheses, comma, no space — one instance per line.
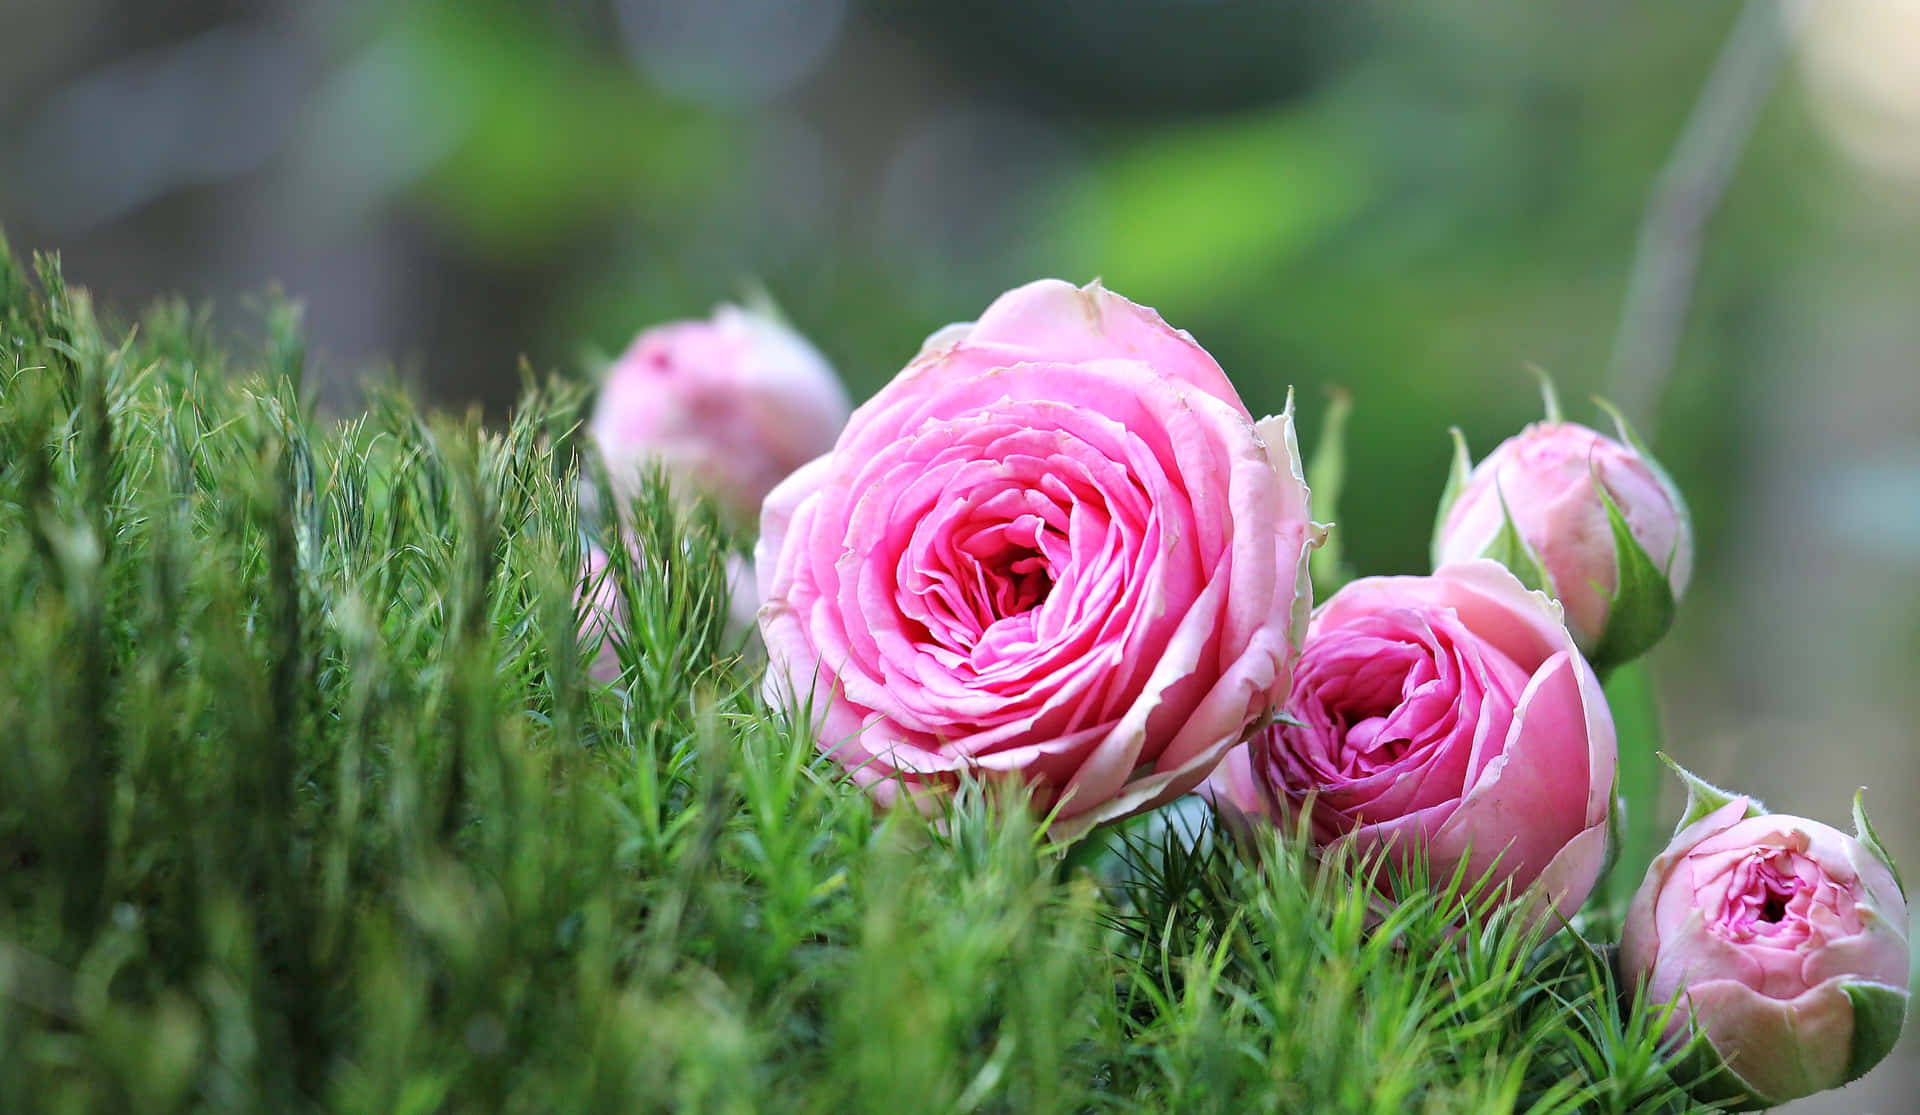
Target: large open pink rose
(1449,713)
(1055,548)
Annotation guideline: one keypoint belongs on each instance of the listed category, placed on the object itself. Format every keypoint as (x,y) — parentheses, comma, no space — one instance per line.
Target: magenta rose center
(1391,692)
(1004,572)
(1768,894)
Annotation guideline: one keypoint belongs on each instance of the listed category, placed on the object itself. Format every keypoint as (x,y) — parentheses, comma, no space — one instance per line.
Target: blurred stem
(1326,476)
(1685,197)
(1636,721)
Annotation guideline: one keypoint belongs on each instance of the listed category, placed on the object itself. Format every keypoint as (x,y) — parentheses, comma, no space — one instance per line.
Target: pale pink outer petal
(1783,1049)
(779,627)
(1539,793)
(1570,876)
(1056,322)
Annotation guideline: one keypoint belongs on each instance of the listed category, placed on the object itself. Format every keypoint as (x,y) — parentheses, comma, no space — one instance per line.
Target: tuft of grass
(307,804)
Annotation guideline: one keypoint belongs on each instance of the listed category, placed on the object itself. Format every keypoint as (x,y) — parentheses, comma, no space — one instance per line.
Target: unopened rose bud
(729,406)
(1785,943)
(1593,521)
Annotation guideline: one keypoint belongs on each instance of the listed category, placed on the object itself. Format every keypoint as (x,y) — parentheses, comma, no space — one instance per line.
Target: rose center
(996,576)
(1015,580)
(1761,899)
(1372,743)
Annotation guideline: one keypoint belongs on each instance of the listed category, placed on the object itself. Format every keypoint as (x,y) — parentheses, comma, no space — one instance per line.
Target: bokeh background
(1410,200)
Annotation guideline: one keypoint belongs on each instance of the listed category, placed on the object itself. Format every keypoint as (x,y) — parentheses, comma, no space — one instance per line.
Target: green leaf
(1457,475)
(1511,550)
(1879,1012)
(1642,607)
(1704,797)
(1326,475)
(1863,832)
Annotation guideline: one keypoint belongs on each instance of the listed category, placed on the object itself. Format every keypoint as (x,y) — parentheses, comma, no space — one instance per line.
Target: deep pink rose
(1787,942)
(1549,479)
(1451,713)
(730,406)
(1055,548)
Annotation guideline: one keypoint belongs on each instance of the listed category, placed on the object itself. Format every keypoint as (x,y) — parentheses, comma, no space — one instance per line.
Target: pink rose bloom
(1451,713)
(1545,479)
(730,405)
(1786,941)
(1054,549)
(604,617)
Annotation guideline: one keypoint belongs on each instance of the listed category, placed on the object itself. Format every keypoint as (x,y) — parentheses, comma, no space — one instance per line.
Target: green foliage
(306,804)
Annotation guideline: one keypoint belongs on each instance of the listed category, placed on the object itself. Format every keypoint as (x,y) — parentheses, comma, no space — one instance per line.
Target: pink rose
(1554,480)
(1055,549)
(1786,941)
(1451,713)
(730,406)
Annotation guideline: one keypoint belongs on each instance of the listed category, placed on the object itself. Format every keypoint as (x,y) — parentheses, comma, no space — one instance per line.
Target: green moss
(306,804)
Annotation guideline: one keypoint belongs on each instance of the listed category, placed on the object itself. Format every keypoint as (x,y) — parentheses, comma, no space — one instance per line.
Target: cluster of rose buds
(1058,550)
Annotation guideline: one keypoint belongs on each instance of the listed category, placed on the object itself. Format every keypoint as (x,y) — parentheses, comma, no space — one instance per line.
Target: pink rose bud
(603,618)
(1785,942)
(1449,714)
(730,406)
(1055,549)
(1593,521)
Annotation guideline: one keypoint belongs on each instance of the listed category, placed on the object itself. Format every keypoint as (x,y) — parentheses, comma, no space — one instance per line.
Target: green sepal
(1511,550)
(1660,476)
(756,299)
(1863,832)
(1326,476)
(1704,797)
(1879,1012)
(1642,606)
(1278,430)
(1457,475)
(1549,398)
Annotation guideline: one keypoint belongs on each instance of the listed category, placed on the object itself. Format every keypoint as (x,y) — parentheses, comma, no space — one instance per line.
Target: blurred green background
(1413,201)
